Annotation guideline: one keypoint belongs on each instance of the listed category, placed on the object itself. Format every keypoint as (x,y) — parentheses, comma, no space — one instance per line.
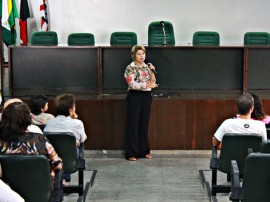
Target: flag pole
(1,61)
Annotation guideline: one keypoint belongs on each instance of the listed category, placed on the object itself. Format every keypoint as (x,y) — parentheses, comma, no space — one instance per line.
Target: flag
(24,14)
(9,13)
(43,14)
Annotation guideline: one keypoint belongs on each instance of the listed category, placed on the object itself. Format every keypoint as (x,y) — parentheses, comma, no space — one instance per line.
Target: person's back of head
(63,103)
(37,103)
(12,100)
(8,102)
(15,120)
(245,103)
(258,112)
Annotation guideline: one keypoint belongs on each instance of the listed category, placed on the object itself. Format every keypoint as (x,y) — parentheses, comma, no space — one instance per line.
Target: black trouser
(138,114)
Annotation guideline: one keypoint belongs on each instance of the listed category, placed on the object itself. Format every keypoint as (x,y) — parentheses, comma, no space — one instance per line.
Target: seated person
(258,112)
(16,139)
(38,106)
(31,128)
(66,119)
(243,124)
(8,195)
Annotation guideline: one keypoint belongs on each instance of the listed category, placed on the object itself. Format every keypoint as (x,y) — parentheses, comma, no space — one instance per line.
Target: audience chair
(156,34)
(29,176)
(265,147)
(234,147)
(40,126)
(123,38)
(43,38)
(206,38)
(65,145)
(256,186)
(268,132)
(81,39)
(256,38)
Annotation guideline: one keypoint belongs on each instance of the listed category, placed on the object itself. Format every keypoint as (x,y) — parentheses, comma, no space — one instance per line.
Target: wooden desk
(198,87)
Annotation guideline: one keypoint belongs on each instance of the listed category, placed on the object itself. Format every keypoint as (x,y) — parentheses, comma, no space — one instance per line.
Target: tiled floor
(169,176)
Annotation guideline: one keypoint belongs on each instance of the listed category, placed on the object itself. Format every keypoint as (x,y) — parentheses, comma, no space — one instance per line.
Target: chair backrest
(268,132)
(43,38)
(235,147)
(206,38)
(257,38)
(64,144)
(257,177)
(123,38)
(28,175)
(156,35)
(265,147)
(40,126)
(81,39)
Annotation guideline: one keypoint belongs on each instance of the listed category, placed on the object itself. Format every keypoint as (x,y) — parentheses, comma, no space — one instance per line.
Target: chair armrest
(236,189)
(80,162)
(250,150)
(81,151)
(214,152)
(57,193)
(214,161)
(58,179)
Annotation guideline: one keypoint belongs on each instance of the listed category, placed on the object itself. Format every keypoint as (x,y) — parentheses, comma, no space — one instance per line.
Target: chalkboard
(180,67)
(258,68)
(115,61)
(54,68)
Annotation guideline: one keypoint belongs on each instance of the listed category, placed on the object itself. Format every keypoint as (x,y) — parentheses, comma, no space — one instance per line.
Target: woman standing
(140,79)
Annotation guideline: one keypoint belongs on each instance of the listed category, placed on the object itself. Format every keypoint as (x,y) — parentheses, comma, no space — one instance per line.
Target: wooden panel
(175,124)
(181,124)
(202,85)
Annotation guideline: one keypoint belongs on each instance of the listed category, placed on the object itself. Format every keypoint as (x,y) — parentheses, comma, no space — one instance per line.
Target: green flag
(9,13)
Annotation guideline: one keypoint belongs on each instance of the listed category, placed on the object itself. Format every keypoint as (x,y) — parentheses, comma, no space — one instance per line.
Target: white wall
(231,18)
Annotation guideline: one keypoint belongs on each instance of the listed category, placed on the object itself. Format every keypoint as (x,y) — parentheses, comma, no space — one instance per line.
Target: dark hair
(245,103)
(258,112)
(15,120)
(36,103)
(63,103)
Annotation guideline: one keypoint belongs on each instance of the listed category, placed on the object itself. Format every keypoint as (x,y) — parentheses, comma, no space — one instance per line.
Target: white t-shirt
(8,195)
(34,129)
(66,124)
(241,126)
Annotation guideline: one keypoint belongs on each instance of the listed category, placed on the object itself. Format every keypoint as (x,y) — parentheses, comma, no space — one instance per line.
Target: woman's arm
(53,156)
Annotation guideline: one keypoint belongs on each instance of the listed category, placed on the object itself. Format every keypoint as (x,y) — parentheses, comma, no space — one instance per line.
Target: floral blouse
(137,78)
(30,143)
(41,119)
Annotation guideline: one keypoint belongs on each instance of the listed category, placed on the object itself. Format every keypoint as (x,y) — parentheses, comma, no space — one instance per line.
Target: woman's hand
(59,166)
(151,66)
(152,85)
(153,76)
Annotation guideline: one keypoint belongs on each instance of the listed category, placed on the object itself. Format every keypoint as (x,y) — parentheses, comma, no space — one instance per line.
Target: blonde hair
(134,50)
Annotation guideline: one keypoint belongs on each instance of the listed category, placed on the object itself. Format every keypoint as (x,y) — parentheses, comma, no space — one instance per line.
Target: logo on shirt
(246,125)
